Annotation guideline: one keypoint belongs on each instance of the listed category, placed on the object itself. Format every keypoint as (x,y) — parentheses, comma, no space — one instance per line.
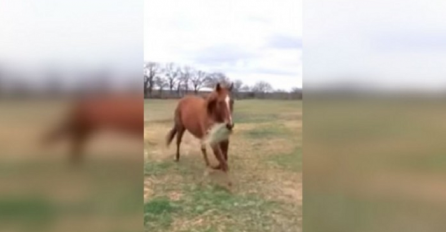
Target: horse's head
(220,105)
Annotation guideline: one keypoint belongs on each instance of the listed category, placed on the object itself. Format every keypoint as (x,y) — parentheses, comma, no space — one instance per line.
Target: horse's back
(114,106)
(190,101)
(190,113)
(118,111)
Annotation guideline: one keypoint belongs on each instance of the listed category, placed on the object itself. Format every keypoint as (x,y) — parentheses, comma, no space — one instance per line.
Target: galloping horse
(197,115)
(120,113)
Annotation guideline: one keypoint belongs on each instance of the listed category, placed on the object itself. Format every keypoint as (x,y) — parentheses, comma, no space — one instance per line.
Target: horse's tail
(171,135)
(174,129)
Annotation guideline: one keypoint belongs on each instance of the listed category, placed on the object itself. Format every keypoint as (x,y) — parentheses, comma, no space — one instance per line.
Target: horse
(123,114)
(197,115)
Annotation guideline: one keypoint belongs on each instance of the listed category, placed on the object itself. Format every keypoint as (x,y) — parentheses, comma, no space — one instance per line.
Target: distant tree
(280,91)
(296,93)
(151,69)
(197,79)
(236,87)
(262,87)
(172,73)
(161,83)
(217,77)
(186,73)
(296,90)
(281,94)
(245,88)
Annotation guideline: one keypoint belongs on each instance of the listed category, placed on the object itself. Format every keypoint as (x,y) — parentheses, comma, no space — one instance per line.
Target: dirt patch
(292,191)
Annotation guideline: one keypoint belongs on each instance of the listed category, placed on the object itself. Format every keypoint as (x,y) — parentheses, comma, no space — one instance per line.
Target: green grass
(273,130)
(240,212)
(375,165)
(264,149)
(26,210)
(40,191)
(289,161)
(156,168)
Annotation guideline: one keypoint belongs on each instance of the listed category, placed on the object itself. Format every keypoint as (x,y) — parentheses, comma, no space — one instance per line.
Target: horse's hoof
(216,167)
(206,172)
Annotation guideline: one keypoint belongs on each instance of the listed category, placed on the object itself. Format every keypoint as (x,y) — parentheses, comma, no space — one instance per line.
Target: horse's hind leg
(180,132)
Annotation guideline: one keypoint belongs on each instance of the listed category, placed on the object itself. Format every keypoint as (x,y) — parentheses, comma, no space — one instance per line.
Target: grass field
(375,165)
(265,160)
(41,192)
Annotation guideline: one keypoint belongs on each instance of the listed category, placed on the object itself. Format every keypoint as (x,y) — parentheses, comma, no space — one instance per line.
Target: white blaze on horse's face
(228,102)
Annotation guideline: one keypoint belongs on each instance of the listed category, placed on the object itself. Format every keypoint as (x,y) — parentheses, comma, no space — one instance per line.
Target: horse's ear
(218,87)
(231,86)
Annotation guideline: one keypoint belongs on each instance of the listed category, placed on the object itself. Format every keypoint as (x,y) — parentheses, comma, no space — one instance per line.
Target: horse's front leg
(205,155)
(221,160)
(224,148)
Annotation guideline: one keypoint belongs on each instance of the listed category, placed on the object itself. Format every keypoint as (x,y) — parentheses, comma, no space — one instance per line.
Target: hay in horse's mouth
(218,133)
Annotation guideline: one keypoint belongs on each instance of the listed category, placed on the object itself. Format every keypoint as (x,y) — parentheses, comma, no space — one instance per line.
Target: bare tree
(296,90)
(172,73)
(280,94)
(245,88)
(151,69)
(178,87)
(261,88)
(296,93)
(215,78)
(161,83)
(237,86)
(198,79)
(186,74)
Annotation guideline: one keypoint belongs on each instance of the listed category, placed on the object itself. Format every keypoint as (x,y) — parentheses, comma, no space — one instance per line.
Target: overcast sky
(71,34)
(249,40)
(395,44)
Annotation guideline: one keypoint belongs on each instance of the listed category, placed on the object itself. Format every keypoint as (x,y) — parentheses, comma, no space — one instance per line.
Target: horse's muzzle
(229,126)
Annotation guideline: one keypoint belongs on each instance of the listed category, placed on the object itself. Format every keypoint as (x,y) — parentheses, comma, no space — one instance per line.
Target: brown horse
(119,113)
(197,115)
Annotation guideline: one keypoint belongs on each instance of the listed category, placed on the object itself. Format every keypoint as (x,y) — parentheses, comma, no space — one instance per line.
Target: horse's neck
(211,120)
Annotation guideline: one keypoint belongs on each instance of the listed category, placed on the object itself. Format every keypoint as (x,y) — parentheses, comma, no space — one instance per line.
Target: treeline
(170,80)
(16,83)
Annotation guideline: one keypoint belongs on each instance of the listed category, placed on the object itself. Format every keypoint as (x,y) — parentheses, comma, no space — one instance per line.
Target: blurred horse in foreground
(120,113)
